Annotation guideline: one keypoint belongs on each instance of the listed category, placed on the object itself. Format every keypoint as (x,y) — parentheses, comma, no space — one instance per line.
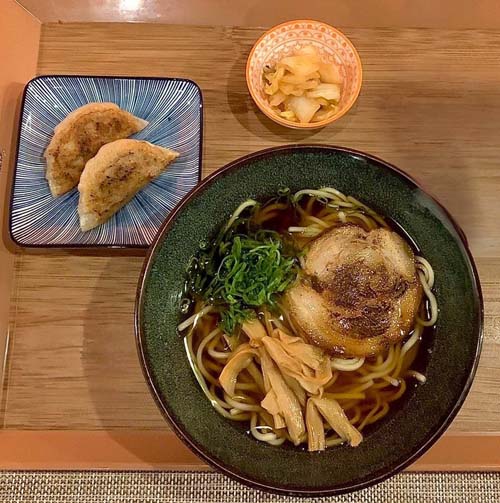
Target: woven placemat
(207,487)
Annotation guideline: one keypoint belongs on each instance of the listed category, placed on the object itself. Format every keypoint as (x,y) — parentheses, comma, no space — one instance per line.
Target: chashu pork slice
(112,178)
(78,138)
(359,291)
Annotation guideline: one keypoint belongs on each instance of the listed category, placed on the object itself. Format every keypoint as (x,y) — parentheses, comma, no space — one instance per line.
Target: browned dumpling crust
(79,137)
(112,178)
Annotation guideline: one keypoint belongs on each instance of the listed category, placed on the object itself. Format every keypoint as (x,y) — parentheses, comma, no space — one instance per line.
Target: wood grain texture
(73,362)
(430,104)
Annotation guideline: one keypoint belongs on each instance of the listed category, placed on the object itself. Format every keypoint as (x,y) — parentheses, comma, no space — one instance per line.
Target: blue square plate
(173,108)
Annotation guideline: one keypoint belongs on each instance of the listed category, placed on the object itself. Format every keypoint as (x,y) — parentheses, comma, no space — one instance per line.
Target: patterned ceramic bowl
(286,38)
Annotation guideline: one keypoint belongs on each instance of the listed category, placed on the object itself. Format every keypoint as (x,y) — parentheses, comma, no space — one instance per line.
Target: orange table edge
(160,450)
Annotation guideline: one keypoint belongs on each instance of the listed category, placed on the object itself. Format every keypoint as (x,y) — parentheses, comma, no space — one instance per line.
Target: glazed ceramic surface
(285,39)
(173,108)
(448,354)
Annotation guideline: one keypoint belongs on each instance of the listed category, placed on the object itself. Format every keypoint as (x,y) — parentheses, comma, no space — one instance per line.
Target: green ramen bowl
(448,355)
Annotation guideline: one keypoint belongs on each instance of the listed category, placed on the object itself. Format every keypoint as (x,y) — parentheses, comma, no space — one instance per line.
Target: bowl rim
(185,437)
(309,125)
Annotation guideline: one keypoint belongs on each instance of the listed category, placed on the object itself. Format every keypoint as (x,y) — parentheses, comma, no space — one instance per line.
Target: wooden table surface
(430,104)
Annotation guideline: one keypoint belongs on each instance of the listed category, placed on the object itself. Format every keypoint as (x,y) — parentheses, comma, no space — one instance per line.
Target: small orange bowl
(287,38)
